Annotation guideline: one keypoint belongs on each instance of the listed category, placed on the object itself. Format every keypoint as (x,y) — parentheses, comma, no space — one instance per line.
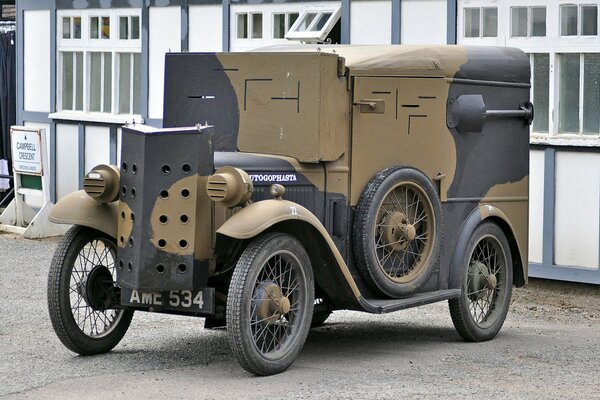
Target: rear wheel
(480,311)
(81,282)
(270,304)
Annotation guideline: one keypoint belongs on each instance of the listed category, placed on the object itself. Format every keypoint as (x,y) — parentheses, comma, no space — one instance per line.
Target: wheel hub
(272,303)
(397,232)
(97,288)
(480,279)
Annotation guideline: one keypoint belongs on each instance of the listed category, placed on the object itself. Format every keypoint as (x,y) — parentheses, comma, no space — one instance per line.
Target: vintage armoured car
(296,181)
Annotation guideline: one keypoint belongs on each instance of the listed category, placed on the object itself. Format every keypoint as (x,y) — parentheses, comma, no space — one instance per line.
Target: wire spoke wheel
(269,305)
(404,236)
(92,322)
(397,230)
(80,285)
(487,285)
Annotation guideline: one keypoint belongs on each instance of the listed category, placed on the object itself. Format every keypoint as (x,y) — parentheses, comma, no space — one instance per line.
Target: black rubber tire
(319,318)
(59,301)
(239,300)
(365,222)
(462,318)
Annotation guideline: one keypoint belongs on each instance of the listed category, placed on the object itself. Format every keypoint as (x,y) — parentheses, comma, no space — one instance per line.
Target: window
(579,93)
(490,22)
(591,93)
(518,21)
(582,20)
(249,26)
(282,23)
(472,22)
(314,25)
(71,28)
(99,27)
(527,21)
(129,27)
(568,20)
(589,20)
(72,80)
(99,62)
(481,22)
(541,91)
(538,21)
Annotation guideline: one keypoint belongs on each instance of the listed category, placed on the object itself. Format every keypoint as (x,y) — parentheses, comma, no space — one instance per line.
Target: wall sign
(27,151)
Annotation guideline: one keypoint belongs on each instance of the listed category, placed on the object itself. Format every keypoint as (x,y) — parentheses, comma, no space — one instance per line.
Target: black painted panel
(149,152)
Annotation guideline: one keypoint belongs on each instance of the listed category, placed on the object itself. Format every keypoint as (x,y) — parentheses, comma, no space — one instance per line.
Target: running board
(384,306)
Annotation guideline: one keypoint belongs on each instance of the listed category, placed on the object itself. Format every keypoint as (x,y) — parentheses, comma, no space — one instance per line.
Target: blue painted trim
(145,60)
(396,22)
(155,122)
(185,21)
(549,200)
(226,18)
(52,149)
(112,137)
(203,2)
(345,22)
(53,57)
(564,273)
(35,116)
(31,5)
(451,22)
(81,152)
(19,61)
(77,4)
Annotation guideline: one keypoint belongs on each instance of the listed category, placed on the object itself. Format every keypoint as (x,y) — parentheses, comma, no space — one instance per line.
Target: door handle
(373,106)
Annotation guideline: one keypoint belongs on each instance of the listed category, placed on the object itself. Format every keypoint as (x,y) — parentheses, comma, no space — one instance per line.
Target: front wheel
(80,283)
(480,311)
(270,304)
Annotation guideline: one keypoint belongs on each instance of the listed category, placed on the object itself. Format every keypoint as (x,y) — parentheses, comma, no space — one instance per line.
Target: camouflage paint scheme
(300,116)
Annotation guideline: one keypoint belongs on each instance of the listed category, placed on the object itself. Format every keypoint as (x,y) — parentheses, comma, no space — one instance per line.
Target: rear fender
(485,212)
(78,208)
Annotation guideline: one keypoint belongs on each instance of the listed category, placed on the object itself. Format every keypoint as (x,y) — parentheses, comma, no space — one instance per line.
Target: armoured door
(400,121)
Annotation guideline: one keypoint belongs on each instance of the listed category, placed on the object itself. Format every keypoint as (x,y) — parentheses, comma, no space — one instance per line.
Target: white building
(563,40)
(87,67)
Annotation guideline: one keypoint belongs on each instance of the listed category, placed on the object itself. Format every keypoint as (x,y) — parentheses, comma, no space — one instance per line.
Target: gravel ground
(548,348)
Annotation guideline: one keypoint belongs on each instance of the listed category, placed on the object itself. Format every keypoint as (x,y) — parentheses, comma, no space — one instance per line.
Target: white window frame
(287,24)
(529,26)
(250,27)
(481,21)
(579,19)
(86,45)
(581,132)
(308,35)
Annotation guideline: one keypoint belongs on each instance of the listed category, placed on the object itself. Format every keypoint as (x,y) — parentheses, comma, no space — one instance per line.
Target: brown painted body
(330,120)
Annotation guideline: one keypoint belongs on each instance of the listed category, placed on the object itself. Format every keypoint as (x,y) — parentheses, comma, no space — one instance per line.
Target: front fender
(78,208)
(260,216)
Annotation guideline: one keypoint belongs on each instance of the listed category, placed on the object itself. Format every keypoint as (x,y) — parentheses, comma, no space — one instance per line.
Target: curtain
(8,90)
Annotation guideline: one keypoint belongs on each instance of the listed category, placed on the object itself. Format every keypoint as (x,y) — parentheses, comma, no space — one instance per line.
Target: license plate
(188,301)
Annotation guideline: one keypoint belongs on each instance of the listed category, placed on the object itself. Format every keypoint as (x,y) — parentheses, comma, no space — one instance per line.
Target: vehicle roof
(491,63)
